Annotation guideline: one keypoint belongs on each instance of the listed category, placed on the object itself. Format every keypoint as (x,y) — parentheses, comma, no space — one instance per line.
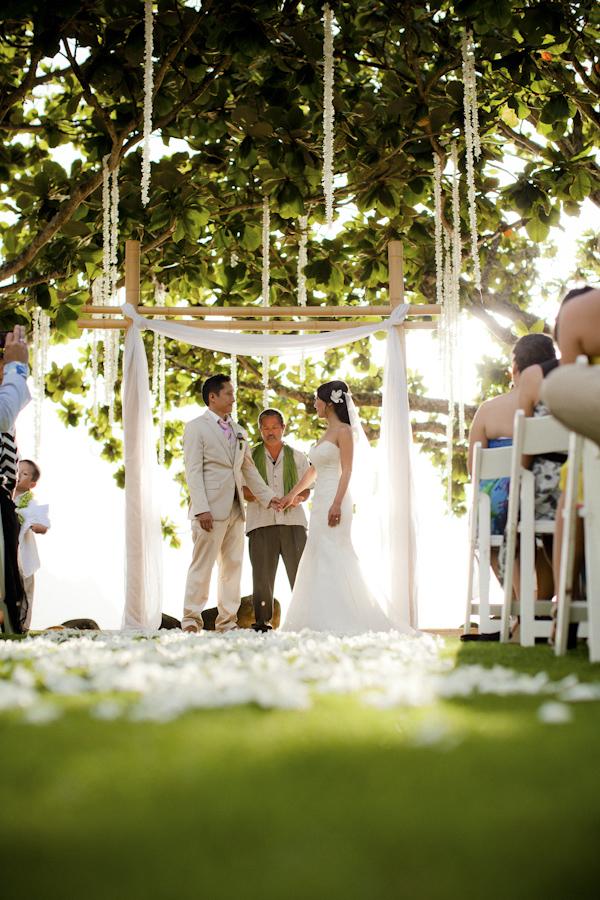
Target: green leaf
(581,185)
(66,321)
(537,230)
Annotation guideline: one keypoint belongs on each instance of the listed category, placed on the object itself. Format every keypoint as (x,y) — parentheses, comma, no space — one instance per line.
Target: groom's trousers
(223,545)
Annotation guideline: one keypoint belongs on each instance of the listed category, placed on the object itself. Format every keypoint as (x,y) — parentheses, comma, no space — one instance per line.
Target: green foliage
(238,105)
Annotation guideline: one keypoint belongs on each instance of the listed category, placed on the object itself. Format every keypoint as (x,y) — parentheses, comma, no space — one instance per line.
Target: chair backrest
(542,434)
(491,462)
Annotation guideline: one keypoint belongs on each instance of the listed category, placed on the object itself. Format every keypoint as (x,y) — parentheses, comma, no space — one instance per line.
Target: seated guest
(545,467)
(493,427)
(572,394)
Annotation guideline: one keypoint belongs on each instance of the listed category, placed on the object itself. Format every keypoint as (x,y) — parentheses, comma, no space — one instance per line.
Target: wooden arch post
(396,286)
(132,277)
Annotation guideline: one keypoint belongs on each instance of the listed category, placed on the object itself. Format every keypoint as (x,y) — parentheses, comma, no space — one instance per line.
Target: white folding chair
(586,455)
(487,463)
(531,437)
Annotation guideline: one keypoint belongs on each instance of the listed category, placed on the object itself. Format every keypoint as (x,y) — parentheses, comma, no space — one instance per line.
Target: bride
(330,592)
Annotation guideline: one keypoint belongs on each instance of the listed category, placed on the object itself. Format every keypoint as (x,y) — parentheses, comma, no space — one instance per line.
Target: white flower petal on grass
(554,713)
(42,714)
(144,675)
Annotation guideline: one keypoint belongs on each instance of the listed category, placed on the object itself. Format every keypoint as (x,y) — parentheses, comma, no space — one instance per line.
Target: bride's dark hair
(324,392)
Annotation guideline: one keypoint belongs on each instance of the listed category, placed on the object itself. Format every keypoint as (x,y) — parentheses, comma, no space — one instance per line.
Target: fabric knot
(398,315)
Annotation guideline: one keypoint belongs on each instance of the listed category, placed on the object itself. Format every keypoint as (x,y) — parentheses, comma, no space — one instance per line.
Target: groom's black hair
(324,392)
(214,385)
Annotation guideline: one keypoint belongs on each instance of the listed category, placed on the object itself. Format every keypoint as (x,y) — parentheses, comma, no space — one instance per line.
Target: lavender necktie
(226,429)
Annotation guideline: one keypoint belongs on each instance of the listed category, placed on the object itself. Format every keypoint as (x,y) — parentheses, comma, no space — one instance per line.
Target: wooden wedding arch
(142,566)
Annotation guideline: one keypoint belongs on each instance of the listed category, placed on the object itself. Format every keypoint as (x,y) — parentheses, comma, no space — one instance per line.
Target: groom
(217,461)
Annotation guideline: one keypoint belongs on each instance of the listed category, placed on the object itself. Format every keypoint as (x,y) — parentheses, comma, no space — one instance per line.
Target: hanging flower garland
(473,144)
(448,255)
(302,260)
(148,90)
(234,384)
(41,344)
(328,112)
(266,276)
(159,374)
(110,236)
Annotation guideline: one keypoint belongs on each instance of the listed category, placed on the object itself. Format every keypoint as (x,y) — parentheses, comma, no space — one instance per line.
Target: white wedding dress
(330,592)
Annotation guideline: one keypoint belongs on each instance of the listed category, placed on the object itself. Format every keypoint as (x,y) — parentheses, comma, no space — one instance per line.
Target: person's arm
(14,393)
(38,528)
(571,330)
(301,487)
(346,445)
(248,495)
(530,386)
(477,433)
(193,456)
(256,484)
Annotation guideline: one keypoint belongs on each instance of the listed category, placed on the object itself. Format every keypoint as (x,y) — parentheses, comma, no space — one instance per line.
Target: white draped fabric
(143,590)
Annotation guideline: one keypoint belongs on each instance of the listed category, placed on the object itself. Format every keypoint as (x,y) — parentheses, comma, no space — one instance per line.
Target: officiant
(272,534)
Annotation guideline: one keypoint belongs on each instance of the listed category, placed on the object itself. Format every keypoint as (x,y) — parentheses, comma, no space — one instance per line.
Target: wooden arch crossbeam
(252,318)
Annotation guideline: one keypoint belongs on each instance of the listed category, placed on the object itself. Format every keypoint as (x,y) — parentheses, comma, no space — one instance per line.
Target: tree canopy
(238,103)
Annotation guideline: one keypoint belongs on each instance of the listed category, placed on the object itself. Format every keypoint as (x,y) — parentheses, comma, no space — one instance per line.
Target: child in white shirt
(33,518)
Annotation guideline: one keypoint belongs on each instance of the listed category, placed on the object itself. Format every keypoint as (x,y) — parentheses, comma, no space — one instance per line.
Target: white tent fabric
(143,591)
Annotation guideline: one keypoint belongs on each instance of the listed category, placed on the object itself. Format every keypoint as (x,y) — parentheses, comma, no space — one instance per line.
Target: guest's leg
(28,584)
(204,556)
(293,542)
(264,548)
(230,558)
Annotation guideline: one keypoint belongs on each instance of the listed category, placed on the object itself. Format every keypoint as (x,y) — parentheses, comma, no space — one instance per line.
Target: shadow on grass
(337,802)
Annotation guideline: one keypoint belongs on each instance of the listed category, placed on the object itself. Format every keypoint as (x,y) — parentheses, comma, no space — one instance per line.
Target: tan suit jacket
(215,469)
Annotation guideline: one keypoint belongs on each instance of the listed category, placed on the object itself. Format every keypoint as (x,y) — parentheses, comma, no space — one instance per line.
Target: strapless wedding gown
(330,592)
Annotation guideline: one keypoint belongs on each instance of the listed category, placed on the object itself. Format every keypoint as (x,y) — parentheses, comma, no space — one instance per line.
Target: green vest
(290,470)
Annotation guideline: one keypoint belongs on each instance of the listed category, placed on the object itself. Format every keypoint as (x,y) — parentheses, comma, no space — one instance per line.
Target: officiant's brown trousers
(265,546)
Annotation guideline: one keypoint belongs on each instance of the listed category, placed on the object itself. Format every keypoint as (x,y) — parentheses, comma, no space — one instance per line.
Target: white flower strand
(328,113)
(41,344)
(473,145)
(302,260)
(266,273)
(148,90)
(159,373)
(234,383)
(266,246)
(161,399)
(97,287)
(265,382)
(105,232)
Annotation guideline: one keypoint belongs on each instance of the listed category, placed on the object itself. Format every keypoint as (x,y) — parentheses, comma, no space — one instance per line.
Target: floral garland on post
(110,237)
(41,344)
(233,365)
(148,89)
(302,260)
(159,374)
(472,141)
(328,112)
(97,285)
(266,275)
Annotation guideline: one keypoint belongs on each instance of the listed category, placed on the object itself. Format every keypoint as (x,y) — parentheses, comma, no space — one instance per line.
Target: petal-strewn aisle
(159,677)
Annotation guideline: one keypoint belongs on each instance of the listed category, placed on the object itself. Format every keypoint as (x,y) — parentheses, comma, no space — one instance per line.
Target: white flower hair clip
(336,396)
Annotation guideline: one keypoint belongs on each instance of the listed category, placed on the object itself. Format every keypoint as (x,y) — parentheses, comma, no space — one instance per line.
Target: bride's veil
(369,538)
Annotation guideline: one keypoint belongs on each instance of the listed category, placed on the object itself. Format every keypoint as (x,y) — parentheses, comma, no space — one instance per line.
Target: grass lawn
(470,798)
